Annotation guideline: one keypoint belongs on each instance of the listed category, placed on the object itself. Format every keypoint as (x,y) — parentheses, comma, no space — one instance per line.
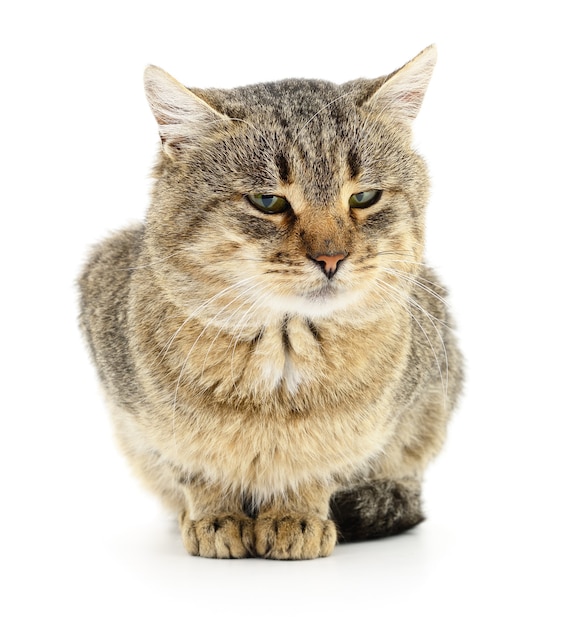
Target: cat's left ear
(402,92)
(183,118)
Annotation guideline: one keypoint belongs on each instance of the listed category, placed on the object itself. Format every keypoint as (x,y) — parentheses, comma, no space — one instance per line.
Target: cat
(278,359)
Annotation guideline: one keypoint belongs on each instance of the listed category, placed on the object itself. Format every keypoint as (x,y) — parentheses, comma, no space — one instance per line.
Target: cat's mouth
(322,301)
(323,293)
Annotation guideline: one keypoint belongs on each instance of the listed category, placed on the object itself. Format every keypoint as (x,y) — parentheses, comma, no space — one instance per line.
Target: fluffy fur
(278,379)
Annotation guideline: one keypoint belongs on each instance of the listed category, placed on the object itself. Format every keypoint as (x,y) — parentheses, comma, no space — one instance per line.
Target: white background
(81,542)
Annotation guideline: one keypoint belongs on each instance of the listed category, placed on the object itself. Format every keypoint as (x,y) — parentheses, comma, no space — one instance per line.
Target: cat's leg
(214,524)
(386,500)
(296,525)
(378,509)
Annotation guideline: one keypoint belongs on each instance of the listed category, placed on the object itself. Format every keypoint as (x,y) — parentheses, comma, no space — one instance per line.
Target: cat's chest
(281,360)
(281,367)
(295,401)
(285,358)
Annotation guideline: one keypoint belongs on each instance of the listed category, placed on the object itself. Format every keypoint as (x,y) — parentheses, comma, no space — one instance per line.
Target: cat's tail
(379,509)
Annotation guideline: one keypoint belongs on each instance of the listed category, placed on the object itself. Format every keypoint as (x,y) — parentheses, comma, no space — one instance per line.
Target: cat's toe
(228,536)
(294,537)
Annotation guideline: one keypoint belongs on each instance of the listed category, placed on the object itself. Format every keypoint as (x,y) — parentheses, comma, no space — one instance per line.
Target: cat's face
(290,198)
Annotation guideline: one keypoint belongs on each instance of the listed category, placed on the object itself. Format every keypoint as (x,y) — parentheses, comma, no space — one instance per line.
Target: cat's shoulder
(429,292)
(111,260)
(118,247)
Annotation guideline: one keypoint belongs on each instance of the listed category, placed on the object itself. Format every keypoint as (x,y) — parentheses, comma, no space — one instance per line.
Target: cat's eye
(268,203)
(365,199)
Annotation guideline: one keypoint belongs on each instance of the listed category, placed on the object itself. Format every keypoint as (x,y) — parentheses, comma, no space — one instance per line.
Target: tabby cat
(277,357)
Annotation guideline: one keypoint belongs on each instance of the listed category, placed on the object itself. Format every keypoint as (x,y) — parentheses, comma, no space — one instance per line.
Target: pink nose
(329,262)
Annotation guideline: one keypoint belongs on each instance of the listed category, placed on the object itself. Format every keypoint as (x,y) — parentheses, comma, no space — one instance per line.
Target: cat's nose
(329,263)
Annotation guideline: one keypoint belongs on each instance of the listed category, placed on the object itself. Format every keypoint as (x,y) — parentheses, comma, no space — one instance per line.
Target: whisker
(188,356)
(414,280)
(216,316)
(405,298)
(227,322)
(237,336)
(397,252)
(153,263)
(427,313)
(201,307)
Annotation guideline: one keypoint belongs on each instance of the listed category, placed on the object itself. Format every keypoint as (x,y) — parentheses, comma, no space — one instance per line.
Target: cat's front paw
(228,536)
(294,536)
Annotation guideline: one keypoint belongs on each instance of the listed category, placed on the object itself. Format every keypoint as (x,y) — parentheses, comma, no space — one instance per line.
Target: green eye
(268,203)
(365,199)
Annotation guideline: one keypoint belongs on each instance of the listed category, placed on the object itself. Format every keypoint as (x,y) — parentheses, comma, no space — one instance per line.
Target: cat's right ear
(183,118)
(401,93)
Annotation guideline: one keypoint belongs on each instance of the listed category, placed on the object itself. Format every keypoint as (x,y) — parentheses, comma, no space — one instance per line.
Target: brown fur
(269,401)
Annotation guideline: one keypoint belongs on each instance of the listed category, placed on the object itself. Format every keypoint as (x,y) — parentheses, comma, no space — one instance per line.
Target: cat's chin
(318,304)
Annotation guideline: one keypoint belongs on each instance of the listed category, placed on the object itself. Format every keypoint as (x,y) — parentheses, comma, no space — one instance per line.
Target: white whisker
(415,281)
(206,326)
(238,328)
(228,320)
(200,308)
(153,263)
(406,299)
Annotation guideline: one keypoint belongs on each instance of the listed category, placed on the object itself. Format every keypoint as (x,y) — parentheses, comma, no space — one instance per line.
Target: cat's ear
(403,91)
(183,118)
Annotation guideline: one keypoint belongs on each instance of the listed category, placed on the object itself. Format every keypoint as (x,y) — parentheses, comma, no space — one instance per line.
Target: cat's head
(298,197)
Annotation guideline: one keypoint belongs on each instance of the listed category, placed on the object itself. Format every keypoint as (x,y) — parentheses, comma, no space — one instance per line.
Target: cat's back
(104,287)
